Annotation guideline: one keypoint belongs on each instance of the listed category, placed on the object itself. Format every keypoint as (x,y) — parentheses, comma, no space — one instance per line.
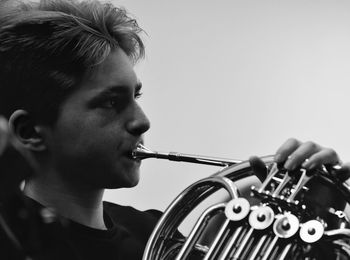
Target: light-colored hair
(47,47)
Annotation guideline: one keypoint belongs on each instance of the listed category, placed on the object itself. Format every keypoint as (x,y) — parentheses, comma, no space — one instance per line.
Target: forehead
(116,70)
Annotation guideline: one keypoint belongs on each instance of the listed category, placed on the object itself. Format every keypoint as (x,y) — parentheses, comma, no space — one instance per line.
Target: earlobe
(26,131)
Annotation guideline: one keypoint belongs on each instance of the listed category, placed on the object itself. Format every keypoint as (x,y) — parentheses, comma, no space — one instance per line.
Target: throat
(82,206)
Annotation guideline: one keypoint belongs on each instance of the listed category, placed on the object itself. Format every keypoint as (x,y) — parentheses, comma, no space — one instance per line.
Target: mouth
(131,154)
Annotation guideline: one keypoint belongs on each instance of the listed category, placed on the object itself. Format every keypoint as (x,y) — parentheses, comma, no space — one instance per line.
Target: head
(69,89)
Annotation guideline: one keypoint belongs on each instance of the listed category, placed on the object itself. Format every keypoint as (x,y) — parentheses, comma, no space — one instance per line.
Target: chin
(128,182)
(132,184)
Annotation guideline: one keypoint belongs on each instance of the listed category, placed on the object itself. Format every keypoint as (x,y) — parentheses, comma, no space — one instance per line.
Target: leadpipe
(141,152)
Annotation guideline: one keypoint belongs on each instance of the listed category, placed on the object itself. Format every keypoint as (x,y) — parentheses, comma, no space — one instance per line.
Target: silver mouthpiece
(141,152)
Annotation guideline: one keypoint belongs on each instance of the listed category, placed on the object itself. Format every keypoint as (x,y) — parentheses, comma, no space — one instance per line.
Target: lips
(130,153)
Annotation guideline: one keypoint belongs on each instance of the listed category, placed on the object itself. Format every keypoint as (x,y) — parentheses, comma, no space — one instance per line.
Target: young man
(69,93)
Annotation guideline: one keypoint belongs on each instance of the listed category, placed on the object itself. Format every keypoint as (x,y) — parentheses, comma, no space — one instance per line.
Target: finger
(258,167)
(303,152)
(286,149)
(325,156)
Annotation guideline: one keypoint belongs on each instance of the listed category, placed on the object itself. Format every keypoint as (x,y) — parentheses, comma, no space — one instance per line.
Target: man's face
(99,125)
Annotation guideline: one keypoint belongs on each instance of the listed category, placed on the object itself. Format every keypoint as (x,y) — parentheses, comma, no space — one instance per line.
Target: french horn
(288,215)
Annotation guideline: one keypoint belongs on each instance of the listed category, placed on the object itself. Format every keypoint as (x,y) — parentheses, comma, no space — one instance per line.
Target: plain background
(237,78)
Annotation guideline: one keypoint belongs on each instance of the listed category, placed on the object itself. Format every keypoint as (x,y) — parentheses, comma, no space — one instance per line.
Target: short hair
(47,47)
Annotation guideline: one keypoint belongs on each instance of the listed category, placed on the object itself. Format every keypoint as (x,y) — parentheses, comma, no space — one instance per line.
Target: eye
(112,102)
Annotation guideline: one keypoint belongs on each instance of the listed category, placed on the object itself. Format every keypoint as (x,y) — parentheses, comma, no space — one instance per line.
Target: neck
(79,204)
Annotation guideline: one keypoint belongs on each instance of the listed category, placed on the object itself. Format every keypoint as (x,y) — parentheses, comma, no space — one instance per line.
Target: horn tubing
(141,152)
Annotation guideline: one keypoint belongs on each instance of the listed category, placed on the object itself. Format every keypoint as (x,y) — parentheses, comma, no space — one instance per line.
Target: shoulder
(120,209)
(139,223)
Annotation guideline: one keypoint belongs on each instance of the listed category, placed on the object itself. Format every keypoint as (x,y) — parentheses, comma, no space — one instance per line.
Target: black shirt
(126,236)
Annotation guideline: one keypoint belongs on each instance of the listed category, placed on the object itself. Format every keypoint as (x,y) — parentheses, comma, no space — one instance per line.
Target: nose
(139,124)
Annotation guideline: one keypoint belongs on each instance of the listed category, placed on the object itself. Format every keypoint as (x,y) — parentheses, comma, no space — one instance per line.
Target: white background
(237,78)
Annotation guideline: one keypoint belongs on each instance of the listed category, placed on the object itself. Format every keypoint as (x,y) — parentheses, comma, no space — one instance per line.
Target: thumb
(343,173)
(258,167)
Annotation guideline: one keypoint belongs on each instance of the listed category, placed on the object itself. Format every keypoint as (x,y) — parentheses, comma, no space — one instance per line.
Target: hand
(309,155)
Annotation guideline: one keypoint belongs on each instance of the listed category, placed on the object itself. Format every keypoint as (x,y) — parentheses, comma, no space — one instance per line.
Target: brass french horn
(290,215)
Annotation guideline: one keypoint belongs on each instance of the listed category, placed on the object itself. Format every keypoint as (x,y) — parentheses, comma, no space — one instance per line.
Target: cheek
(83,140)
(78,128)
(88,142)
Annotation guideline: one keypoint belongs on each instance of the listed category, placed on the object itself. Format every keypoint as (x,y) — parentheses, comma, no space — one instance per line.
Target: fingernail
(311,166)
(289,166)
(306,165)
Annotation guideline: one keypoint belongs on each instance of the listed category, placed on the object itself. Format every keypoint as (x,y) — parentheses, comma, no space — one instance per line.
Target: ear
(26,131)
